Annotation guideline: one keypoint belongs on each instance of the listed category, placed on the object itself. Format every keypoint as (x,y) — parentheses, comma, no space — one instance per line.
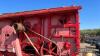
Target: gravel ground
(86,48)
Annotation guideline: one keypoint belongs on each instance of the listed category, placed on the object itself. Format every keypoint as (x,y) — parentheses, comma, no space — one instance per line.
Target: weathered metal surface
(50,30)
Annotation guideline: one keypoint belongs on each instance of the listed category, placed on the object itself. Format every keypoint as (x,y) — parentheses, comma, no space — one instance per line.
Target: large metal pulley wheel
(49,49)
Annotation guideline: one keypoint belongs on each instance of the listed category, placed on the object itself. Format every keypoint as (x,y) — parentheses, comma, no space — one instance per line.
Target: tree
(89,33)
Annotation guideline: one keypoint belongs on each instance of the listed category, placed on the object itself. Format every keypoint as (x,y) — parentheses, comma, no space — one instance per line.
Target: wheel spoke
(50,45)
(46,49)
(54,53)
(53,48)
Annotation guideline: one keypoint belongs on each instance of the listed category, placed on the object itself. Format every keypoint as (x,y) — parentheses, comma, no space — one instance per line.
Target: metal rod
(31,43)
(45,38)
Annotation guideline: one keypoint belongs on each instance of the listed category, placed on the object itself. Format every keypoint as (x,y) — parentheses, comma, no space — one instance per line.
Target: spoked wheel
(49,49)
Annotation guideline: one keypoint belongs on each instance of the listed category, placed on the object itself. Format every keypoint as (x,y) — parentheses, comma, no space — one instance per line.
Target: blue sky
(89,14)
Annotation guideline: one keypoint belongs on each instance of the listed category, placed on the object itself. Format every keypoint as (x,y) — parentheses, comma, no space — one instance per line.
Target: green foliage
(89,33)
